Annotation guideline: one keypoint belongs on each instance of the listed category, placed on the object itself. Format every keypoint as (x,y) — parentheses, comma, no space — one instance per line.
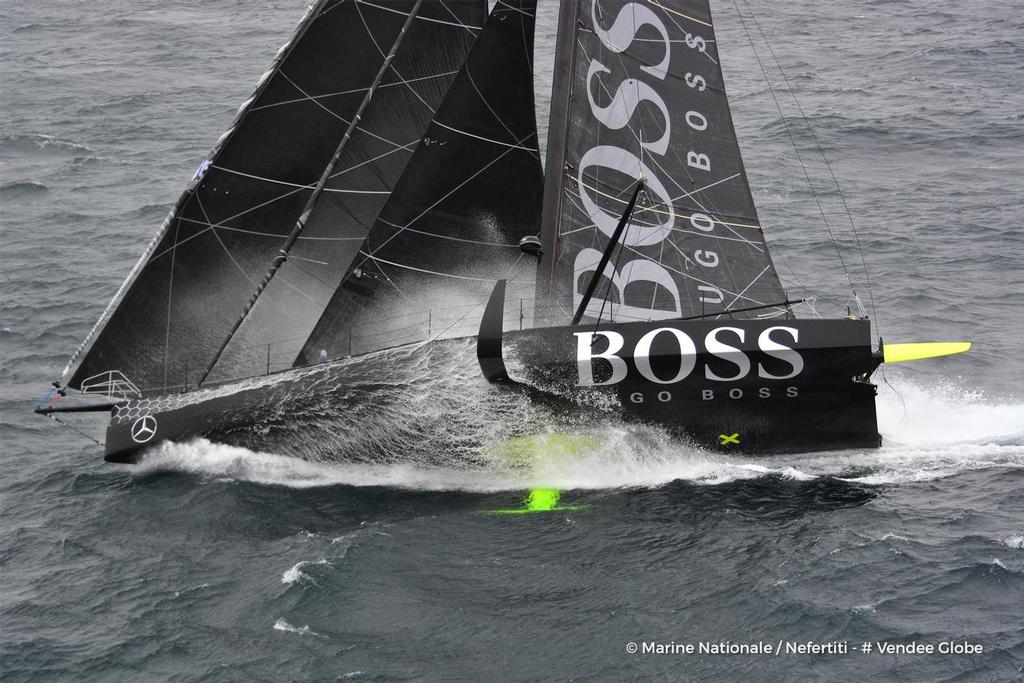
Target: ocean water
(215,563)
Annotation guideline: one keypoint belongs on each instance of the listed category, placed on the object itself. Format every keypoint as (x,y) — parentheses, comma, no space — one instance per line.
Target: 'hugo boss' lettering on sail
(648,103)
(648,229)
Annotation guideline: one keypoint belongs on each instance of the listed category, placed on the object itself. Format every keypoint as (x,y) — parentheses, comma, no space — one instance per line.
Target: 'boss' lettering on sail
(655,226)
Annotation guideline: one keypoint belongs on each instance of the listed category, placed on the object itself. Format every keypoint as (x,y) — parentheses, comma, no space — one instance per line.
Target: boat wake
(929,433)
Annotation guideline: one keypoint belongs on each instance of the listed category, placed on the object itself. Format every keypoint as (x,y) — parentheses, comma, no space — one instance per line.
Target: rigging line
(261,178)
(472,82)
(430,19)
(301,187)
(512,8)
(444,197)
(327,285)
(496,142)
(170,295)
(456,17)
(301,293)
(353,91)
(315,195)
(424,270)
(824,157)
(225,220)
(339,116)
(738,238)
(249,279)
(792,139)
(756,278)
(689,195)
(331,9)
(401,78)
(678,13)
(73,428)
(388,279)
(407,147)
(676,210)
(695,279)
(256,232)
(447,237)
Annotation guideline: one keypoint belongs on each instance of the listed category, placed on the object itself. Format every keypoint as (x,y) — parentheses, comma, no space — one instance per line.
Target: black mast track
(317,191)
(558,127)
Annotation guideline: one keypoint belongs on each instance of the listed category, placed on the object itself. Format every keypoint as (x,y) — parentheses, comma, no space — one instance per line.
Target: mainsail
(639,95)
(175,312)
(452,224)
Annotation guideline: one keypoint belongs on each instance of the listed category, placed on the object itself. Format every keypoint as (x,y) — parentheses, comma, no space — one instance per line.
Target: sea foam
(928,434)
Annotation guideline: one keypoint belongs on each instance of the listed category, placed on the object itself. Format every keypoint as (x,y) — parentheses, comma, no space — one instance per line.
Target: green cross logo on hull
(727,439)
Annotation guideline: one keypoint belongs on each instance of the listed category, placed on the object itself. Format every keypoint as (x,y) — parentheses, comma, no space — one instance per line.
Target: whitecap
(294,574)
(282,625)
(1016,542)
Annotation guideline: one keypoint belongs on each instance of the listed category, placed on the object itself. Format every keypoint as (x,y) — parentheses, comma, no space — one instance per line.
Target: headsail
(182,301)
(643,98)
(452,225)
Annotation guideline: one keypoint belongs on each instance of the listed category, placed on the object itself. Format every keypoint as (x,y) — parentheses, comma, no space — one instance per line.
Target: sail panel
(647,101)
(179,306)
(452,225)
(373,158)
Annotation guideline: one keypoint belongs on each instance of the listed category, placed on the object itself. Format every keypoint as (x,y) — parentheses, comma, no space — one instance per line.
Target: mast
(315,196)
(558,125)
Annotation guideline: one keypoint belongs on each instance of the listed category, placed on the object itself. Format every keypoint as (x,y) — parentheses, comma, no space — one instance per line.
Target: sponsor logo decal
(718,343)
(144,429)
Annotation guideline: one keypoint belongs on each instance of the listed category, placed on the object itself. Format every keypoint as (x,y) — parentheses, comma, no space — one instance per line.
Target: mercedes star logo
(144,429)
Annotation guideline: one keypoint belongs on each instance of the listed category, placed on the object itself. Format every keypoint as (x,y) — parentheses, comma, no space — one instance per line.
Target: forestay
(182,301)
(452,225)
(639,94)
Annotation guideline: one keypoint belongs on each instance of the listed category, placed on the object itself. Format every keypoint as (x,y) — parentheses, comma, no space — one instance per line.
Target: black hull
(787,386)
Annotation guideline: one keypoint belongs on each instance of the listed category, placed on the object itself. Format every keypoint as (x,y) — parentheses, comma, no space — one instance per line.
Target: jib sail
(639,95)
(175,311)
(453,223)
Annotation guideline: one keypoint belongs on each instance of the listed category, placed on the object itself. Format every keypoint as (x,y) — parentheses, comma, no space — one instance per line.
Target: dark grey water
(216,563)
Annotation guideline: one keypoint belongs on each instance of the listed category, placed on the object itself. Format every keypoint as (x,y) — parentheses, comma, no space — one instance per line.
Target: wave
(928,434)
(36,142)
(282,625)
(18,190)
(295,574)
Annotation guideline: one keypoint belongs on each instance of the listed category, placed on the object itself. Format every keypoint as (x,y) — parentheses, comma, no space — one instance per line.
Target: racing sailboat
(378,209)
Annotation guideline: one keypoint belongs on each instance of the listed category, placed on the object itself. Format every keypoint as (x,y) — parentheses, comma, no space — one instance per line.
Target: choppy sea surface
(215,563)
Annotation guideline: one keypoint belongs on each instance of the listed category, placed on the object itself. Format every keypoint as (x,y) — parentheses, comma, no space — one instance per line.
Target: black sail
(639,94)
(452,224)
(180,304)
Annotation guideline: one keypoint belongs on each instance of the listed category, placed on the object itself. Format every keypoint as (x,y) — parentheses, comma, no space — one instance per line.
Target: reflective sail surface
(452,224)
(639,94)
(180,304)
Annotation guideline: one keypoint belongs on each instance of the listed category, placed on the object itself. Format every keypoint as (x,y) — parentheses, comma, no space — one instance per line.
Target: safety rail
(112,384)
